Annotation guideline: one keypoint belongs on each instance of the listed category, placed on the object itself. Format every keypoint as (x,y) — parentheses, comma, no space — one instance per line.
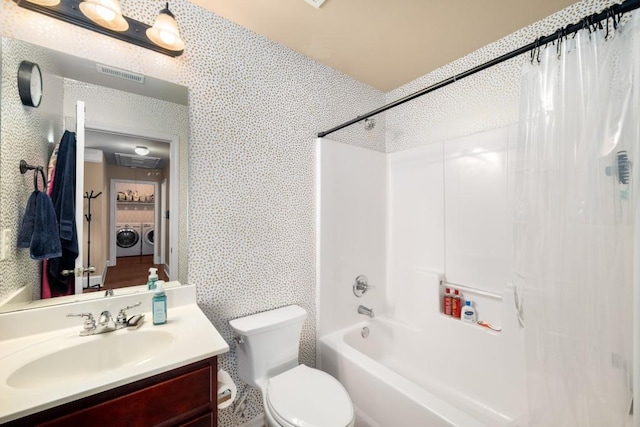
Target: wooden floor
(130,271)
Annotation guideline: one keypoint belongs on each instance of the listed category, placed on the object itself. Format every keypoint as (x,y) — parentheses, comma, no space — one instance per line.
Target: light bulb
(167,37)
(105,13)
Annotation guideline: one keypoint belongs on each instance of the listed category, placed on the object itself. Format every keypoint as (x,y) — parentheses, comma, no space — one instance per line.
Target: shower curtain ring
(613,18)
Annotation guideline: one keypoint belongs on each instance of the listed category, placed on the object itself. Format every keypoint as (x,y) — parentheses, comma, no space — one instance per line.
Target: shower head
(369,124)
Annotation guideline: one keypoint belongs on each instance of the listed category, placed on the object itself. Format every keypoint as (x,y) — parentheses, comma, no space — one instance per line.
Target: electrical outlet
(5,244)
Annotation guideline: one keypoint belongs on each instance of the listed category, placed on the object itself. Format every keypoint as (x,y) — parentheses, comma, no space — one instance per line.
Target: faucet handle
(89,324)
(122,315)
(361,285)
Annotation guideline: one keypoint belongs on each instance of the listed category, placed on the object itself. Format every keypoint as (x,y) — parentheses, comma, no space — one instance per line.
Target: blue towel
(64,204)
(39,230)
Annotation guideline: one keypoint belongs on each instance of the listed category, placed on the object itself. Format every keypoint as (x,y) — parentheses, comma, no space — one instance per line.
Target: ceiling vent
(121,74)
(144,162)
(315,3)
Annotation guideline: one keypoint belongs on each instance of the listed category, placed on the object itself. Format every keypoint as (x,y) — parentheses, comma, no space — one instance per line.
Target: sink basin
(94,355)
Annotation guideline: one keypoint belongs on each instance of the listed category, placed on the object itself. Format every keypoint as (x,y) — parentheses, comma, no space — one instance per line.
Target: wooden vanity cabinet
(185,396)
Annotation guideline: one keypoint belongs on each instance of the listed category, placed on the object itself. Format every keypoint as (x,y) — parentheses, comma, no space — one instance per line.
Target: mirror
(140,193)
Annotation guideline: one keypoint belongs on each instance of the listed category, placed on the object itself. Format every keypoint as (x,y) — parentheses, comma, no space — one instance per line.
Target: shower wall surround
(254,109)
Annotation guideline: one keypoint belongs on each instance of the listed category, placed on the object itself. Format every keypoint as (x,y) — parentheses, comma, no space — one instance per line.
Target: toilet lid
(306,397)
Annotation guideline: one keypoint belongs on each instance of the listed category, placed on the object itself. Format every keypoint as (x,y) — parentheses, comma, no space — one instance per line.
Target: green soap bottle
(159,305)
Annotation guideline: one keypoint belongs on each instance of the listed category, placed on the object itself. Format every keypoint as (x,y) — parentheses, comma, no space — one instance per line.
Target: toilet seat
(307,397)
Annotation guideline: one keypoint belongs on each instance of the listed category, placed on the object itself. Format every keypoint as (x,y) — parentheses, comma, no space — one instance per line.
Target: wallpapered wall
(255,108)
(26,134)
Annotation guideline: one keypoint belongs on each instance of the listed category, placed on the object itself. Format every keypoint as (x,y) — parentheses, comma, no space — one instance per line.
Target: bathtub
(393,384)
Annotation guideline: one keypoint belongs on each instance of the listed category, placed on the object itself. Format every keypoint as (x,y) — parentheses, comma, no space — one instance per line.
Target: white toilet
(293,395)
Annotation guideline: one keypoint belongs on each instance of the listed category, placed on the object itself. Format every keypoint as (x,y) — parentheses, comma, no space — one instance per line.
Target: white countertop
(194,339)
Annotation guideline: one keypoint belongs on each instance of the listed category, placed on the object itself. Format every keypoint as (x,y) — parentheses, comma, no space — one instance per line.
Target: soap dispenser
(153,278)
(159,305)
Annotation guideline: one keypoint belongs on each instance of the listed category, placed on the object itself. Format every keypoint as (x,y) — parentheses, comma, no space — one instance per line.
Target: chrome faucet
(105,323)
(366,311)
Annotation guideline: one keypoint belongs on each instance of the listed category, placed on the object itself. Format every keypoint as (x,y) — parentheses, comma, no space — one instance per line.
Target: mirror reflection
(131,133)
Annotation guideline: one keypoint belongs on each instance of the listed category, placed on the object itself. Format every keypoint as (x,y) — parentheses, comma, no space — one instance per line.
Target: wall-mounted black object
(29,84)
(69,11)
(24,167)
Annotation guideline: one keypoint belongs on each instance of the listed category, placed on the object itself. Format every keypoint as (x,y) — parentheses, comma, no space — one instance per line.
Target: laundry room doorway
(135,213)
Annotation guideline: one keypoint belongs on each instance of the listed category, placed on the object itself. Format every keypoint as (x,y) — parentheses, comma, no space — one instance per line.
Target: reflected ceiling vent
(130,161)
(315,3)
(121,74)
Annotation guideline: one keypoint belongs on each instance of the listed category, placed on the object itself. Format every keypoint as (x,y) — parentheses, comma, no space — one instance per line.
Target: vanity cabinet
(185,396)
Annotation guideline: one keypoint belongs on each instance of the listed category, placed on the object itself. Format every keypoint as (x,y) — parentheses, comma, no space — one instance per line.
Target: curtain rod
(613,11)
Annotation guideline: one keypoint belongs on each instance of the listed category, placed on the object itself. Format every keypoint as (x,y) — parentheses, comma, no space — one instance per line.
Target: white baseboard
(258,421)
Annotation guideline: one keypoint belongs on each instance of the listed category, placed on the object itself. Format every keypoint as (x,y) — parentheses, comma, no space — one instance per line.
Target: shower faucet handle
(361,285)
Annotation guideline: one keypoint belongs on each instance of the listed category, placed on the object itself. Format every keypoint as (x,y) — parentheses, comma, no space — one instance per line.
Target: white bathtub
(392,378)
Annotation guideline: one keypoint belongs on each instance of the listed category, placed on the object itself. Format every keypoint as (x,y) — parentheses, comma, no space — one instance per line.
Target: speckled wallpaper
(255,108)
(26,133)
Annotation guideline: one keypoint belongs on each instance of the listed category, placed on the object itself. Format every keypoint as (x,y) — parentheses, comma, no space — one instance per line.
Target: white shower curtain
(573,229)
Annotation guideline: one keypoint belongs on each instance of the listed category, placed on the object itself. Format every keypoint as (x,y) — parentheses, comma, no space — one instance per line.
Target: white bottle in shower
(468,313)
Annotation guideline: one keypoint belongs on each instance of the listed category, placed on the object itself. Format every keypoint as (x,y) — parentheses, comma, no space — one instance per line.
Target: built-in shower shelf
(488,305)
(475,325)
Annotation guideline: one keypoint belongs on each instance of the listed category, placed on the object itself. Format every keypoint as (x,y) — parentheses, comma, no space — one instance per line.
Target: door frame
(174,186)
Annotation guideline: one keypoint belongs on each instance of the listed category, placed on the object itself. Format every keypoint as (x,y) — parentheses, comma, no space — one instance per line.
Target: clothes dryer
(128,239)
(147,238)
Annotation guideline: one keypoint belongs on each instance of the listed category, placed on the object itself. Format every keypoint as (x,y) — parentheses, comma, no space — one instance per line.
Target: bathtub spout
(366,311)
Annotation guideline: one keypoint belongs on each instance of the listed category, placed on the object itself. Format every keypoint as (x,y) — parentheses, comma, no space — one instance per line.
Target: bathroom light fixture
(141,150)
(165,31)
(105,13)
(105,17)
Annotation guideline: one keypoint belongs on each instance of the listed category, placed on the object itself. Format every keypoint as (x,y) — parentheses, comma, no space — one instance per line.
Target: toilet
(294,395)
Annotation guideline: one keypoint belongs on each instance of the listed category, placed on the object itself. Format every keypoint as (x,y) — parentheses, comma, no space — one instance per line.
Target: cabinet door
(185,396)
(203,421)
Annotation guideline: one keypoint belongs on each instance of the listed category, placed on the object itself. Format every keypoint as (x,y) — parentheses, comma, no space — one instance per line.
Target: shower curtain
(574,207)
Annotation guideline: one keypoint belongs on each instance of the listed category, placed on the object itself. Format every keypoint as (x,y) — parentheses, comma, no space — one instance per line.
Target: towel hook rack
(24,167)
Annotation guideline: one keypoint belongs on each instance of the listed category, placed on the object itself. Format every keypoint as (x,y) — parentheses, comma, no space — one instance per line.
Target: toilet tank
(270,342)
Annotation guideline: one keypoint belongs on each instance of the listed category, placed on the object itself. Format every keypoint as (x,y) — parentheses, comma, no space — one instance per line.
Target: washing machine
(147,238)
(128,239)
